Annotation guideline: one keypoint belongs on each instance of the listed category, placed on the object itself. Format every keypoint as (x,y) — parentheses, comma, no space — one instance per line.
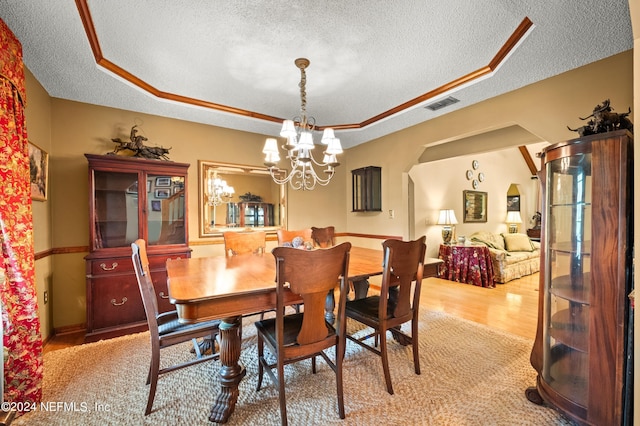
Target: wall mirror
(235,197)
(475,206)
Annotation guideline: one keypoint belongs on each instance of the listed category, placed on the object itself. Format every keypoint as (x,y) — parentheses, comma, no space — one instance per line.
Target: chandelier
(299,146)
(218,192)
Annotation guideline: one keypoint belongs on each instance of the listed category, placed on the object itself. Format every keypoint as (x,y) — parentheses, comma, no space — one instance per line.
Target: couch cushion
(489,239)
(517,242)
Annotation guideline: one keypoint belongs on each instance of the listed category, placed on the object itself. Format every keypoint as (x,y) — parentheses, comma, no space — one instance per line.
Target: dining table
(227,288)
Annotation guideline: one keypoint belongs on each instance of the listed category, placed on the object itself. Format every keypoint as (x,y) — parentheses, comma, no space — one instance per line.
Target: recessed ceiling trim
(514,40)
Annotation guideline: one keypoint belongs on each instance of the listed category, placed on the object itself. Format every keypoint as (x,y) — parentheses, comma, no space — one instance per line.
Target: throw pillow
(491,240)
(517,242)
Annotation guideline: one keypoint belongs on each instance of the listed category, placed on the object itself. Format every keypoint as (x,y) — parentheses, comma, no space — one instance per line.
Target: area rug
(471,375)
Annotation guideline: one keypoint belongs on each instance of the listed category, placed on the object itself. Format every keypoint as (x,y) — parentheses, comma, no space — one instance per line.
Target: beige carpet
(471,375)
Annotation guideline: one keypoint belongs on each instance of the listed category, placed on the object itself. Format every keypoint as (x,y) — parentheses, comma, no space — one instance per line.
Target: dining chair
(397,303)
(285,236)
(236,243)
(323,237)
(242,243)
(309,275)
(164,328)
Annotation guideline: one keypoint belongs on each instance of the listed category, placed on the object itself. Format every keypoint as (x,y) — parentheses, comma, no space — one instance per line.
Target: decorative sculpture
(249,197)
(138,148)
(604,120)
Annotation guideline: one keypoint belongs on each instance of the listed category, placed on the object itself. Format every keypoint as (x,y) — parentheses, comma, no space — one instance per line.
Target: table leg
(329,306)
(360,288)
(231,372)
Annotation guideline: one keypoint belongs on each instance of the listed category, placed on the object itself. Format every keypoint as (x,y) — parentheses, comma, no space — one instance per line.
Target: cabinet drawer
(111,266)
(115,301)
(162,293)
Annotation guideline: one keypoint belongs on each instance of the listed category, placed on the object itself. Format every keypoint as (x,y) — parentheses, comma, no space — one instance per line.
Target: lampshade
(513,217)
(447,217)
(327,135)
(288,129)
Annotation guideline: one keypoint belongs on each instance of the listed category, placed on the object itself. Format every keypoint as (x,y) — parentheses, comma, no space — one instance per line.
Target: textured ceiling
(374,63)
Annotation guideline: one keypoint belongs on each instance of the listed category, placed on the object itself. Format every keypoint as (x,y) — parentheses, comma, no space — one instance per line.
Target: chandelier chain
(303,97)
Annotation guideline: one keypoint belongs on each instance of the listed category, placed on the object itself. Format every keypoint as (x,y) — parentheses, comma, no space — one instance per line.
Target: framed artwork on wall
(475,206)
(513,203)
(38,170)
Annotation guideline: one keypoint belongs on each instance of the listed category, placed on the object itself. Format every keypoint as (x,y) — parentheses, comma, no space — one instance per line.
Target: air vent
(442,103)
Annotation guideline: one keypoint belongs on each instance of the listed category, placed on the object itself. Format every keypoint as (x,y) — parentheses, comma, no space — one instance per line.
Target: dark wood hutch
(131,198)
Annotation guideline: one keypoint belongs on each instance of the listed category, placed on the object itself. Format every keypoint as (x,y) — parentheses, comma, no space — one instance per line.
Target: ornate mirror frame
(251,182)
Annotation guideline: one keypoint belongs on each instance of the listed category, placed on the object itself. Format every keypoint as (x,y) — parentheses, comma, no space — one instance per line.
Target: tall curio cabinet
(582,351)
(131,198)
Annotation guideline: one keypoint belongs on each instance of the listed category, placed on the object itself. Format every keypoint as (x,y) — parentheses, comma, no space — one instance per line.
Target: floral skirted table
(467,264)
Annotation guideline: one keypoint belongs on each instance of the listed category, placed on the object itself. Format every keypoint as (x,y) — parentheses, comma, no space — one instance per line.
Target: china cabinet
(131,198)
(252,214)
(366,187)
(581,351)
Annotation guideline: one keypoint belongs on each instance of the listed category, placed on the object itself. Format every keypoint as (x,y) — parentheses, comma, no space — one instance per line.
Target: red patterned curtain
(22,339)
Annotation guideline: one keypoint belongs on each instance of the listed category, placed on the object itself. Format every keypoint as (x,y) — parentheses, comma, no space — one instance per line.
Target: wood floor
(511,307)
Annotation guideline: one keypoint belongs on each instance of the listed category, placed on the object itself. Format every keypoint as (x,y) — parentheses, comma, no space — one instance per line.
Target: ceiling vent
(442,103)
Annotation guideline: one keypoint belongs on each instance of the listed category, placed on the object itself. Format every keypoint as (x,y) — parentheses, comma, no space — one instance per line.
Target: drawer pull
(162,296)
(104,267)
(113,302)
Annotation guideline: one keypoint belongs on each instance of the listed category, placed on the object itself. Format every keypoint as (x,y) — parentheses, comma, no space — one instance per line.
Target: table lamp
(447,218)
(513,219)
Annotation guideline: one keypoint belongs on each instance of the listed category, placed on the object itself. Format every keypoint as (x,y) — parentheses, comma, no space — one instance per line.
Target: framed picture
(38,170)
(156,206)
(163,181)
(133,188)
(475,206)
(163,193)
(513,203)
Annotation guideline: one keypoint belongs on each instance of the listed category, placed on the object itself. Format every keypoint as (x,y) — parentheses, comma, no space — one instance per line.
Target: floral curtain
(22,339)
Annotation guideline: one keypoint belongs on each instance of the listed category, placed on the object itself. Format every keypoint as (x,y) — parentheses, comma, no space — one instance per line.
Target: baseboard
(70,329)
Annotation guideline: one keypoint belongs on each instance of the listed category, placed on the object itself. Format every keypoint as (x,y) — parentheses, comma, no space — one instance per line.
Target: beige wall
(38,116)
(544,109)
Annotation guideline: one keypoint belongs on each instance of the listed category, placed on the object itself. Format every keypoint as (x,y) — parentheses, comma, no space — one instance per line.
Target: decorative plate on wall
(475,164)
(469,174)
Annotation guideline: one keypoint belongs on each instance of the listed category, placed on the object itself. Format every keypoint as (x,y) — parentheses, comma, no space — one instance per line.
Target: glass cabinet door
(116,209)
(165,209)
(567,280)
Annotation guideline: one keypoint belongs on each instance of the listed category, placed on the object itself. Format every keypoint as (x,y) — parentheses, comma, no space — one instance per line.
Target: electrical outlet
(46,297)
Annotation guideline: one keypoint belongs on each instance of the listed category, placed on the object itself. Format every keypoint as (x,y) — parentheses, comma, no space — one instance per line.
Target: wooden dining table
(227,288)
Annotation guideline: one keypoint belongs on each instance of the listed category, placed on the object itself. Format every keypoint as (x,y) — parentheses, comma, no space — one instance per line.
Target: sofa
(513,255)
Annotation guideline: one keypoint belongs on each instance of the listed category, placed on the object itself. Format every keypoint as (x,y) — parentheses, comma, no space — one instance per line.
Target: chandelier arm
(317,163)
